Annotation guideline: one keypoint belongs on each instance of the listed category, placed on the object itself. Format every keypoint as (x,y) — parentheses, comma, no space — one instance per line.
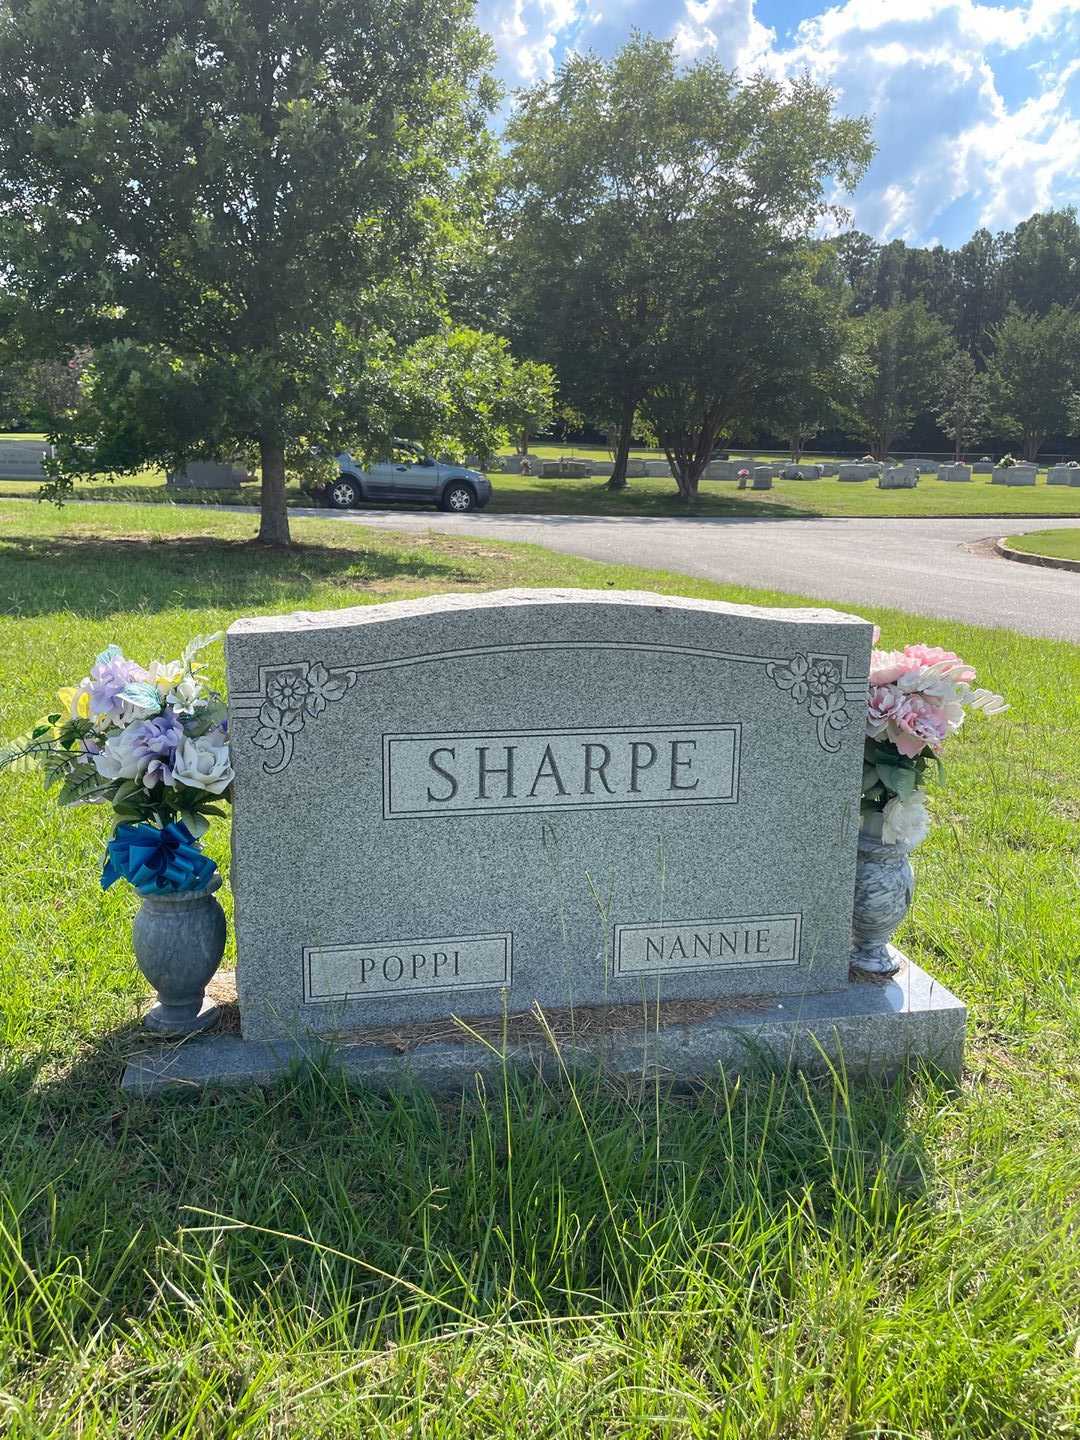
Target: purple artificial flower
(107,679)
(155,743)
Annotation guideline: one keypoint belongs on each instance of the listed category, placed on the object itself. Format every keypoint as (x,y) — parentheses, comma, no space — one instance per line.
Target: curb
(1026,557)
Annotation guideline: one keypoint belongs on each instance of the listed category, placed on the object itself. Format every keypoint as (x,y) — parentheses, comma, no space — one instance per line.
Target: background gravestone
(22,459)
(208,475)
(455,804)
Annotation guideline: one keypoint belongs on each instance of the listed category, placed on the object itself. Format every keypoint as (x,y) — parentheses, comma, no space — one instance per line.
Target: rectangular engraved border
(620,930)
(506,936)
(735,726)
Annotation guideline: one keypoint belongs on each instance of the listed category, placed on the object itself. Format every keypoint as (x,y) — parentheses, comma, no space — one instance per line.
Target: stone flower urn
(179,941)
(884,886)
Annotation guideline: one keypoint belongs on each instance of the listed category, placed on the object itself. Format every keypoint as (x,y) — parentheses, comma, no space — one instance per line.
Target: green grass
(762,1261)
(516,494)
(1061,544)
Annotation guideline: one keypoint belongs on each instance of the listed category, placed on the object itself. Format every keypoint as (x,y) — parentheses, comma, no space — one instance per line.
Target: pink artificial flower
(934,655)
(886,666)
(916,725)
(881,707)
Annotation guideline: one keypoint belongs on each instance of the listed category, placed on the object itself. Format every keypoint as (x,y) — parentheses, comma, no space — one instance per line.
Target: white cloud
(527,34)
(729,28)
(924,70)
(948,140)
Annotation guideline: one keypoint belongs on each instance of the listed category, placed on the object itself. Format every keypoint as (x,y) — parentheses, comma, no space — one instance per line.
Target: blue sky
(976,107)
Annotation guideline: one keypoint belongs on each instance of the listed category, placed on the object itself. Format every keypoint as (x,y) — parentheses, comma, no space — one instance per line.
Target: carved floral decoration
(293,695)
(818,683)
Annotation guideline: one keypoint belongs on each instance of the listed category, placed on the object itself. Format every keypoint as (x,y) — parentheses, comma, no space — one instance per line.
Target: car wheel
(459,497)
(343,493)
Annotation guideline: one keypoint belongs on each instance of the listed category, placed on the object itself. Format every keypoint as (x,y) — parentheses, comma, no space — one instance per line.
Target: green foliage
(819,367)
(252,198)
(1033,374)
(655,211)
(1034,267)
(963,401)
(906,352)
(462,391)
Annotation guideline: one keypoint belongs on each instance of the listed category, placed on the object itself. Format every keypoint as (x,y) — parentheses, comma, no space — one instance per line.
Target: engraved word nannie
(527,770)
(707,944)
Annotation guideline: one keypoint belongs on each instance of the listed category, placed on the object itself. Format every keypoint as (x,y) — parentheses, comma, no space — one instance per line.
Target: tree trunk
(274,520)
(956,451)
(1031,446)
(688,478)
(622,448)
(796,448)
(523,446)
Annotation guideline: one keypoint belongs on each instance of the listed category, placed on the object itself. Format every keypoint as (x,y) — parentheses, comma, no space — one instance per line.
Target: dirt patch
(984,548)
(567,1025)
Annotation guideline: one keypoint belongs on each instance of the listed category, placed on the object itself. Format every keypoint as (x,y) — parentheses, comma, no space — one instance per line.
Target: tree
(962,407)
(37,392)
(260,189)
(463,390)
(906,350)
(1033,374)
(651,206)
(819,370)
(980,292)
(1042,262)
(715,386)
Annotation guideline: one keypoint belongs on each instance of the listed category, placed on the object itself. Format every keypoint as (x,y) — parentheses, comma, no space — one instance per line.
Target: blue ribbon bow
(157,862)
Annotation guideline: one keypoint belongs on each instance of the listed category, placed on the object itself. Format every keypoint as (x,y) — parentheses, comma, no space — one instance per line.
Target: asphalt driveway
(932,567)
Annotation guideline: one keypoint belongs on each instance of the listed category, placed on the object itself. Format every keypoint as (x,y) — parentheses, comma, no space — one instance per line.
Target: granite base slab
(870,1027)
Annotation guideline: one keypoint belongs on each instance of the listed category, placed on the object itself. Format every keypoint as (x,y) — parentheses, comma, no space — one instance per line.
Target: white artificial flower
(202,763)
(905,822)
(164,673)
(118,758)
(183,695)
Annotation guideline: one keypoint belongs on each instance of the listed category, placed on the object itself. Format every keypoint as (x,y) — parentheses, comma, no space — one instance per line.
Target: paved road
(928,566)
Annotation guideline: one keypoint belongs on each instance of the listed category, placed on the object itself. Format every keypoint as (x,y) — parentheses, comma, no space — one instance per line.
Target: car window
(403,456)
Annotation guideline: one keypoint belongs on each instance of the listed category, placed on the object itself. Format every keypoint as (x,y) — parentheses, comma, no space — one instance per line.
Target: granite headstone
(900,477)
(455,804)
(636,811)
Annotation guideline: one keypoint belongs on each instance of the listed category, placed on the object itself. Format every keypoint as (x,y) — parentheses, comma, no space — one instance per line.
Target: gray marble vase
(179,941)
(884,885)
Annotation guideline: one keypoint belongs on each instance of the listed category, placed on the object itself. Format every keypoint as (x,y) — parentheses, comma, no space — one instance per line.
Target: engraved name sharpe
(476,772)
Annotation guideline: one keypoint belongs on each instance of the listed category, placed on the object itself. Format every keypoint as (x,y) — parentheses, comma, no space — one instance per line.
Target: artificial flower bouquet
(918,698)
(152,743)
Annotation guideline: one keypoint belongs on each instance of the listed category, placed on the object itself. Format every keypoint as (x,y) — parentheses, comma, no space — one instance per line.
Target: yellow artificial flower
(165,675)
(75,701)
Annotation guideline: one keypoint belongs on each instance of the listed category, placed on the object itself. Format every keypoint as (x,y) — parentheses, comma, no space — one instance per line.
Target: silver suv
(408,474)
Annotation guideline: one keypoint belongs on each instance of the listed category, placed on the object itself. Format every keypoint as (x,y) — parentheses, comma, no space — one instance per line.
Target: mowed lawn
(517,494)
(760,1258)
(1060,544)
